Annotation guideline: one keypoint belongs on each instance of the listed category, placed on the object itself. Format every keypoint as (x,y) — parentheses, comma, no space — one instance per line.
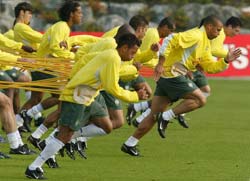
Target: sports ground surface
(215,147)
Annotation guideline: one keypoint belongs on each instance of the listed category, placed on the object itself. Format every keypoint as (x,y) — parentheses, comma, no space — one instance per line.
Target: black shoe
(132,150)
(41,145)
(22,150)
(131,112)
(3,156)
(26,120)
(52,163)
(39,121)
(182,121)
(22,129)
(80,148)
(135,123)
(70,150)
(162,125)
(35,174)
(61,151)
(34,141)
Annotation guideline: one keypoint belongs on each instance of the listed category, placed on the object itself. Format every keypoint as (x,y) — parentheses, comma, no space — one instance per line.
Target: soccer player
(230,29)
(22,31)
(8,117)
(153,35)
(70,14)
(172,83)
(79,94)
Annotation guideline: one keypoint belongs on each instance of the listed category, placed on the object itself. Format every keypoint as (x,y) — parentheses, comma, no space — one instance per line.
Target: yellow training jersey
(80,40)
(111,33)
(25,34)
(217,45)
(102,72)
(50,44)
(6,42)
(9,34)
(189,48)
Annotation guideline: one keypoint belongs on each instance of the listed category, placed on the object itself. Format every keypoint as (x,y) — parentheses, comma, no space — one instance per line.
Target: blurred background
(100,16)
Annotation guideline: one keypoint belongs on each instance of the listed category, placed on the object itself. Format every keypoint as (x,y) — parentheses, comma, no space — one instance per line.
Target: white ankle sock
(140,118)
(39,131)
(131,141)
(34,110)
(51,149)
(168,115)
(13,140)
(19,120)
(141,106)
(19,138)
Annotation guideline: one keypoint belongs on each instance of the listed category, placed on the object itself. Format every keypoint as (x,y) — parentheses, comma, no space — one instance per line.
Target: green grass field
(215,147)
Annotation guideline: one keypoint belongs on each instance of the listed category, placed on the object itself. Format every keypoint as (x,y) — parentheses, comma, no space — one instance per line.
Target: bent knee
(202,101)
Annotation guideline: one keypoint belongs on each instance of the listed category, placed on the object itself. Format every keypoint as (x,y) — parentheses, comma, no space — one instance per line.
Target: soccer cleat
(70,151)
(131,112)
(131,150)
(22,129)
(135,123)
(162,125)
(181,120)
(34,141)
(35,174)
(22,150)
(3,156)
(41,145)
(52,163)
(26,120)
(39,121)
(80,147)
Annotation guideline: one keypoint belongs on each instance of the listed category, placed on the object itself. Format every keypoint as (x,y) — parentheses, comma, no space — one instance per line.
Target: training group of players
(104,72)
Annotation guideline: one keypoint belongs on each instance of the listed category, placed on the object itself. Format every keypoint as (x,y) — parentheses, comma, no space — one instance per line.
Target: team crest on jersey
(117,102)
(190,84)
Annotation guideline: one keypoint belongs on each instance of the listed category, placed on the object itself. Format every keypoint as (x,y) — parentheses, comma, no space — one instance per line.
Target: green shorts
(36,75)
(10,75)
(98,109)
(111,101)
(130,85)
(199,79)
(174,88)
(76,116)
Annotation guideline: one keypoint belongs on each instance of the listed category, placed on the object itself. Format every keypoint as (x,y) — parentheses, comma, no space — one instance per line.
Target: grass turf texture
(215,147)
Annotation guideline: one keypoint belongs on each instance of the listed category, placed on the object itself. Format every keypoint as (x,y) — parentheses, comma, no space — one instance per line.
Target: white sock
(82,139)
(39,131)
(13,140)
(131,141)
(34,110)
(140,118)
(92,130)
(28,95)
(141,106)
(168,115)
(19,138)
(47,140)
(19,120)
(51,149)
(38,115)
